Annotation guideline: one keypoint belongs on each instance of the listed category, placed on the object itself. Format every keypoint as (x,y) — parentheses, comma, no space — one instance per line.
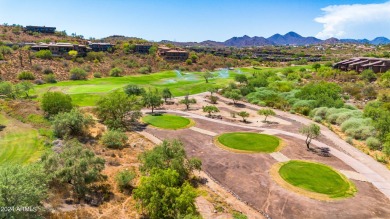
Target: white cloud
(355,21)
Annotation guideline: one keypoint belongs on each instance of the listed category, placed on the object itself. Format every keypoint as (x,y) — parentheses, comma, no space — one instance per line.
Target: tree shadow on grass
(320,151)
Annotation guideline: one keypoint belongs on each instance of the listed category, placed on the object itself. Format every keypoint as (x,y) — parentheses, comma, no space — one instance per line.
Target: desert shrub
(145,70)
(97,75)
(55,102)
(71,124)
(79,60)
(39,82)
(373,143)
(92,56)
(282,86)
(5,50)
(319,112)
(116,72)
(87,68)
(6,89)
(44,54)
(134,90)
(114,139)
(47,71)
(358,128)
(324,93)
(26,75)
(317,119)
(50,78)
(37,67)
(124,179)
(78,74)
(303,106)
(361,132)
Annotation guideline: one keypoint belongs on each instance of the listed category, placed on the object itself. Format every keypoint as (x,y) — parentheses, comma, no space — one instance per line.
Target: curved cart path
(374,172)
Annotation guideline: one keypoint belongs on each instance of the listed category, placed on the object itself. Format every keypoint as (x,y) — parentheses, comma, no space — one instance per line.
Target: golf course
(167,121)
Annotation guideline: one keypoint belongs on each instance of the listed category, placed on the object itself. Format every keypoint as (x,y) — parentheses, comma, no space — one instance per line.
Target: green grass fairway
(251,142)
(316,177)
(87,92)
(19,144)
(167,121)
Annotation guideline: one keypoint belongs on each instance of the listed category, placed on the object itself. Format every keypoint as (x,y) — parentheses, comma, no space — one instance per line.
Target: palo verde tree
(132,89)
(71,124)
(243,115)
(241,78)
(210,109)
(74,166)
(22,185)
(117,110)
(266,113)
(311,132)
(166,94)
(187,101)
(55,102)
(152,99)
(207,75)
(234,94)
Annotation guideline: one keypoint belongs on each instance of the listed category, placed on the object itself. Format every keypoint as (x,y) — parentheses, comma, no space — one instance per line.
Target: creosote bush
(114,139)
(78,74)
(26,75)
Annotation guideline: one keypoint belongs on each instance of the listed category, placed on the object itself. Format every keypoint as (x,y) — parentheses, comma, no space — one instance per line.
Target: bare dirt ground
(247,175)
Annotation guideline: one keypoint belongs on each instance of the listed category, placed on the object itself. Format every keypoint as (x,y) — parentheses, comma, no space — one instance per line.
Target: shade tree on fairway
(243,115)
(166,94)
(207,75)
(71,124)
(117,110)
(311,132)
(152,99)
(210,109)
(132,89)
(266,113)
(187,101)
(241,79)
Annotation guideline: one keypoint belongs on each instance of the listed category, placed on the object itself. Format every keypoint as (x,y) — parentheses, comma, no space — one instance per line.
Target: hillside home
(142,49)
(360,64)
(60,49)
(172,54)
(40,29)
(101,47)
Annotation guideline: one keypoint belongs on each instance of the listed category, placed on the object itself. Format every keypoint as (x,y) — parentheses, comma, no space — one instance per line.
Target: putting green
(248,141)
(316,180)
(168,121)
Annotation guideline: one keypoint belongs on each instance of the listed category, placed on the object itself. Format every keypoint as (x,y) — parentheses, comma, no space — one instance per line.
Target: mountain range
(290,38)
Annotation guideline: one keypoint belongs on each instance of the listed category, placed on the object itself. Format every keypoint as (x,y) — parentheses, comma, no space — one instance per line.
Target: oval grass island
(248,142)
(314,180)
(168,121)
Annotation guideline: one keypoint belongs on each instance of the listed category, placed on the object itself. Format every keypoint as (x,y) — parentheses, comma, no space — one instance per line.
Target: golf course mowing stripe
(248,142)
(314,180)
(168,121)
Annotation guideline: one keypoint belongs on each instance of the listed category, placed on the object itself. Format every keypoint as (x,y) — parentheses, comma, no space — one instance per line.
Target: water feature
(239,71)
(223,73)
(178,74)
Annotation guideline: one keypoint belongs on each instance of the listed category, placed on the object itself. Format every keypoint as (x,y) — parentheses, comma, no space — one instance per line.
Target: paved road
(374,172)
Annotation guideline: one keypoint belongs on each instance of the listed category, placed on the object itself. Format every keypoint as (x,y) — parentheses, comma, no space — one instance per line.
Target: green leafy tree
(210,109)
(166,94)
(169,154)
(243,115)
(114,139)
(55,102)
(207,75)
(379,112)
(234,94)
(153,50)
(241,78)
(323,93)
(7,90)
(75,166)
(71,124)
(152,99)
(117,110)
(266,113)
(162,195)
(384,80)
(124,179)
(187,101)
(22,185)
(311,132)
(134,90)
(24,87)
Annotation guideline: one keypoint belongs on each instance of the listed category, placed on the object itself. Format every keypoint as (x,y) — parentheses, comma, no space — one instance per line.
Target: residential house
(101,47)
(360,64)
(40,29)
(142,49)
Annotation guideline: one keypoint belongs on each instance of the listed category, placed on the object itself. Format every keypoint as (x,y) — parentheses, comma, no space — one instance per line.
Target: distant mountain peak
(292,34)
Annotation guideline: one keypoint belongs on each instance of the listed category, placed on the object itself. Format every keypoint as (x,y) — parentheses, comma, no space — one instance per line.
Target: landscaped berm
(168,121)
(314,180)
(248,142)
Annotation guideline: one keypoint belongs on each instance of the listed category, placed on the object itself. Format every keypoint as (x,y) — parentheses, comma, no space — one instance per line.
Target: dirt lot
(247,175)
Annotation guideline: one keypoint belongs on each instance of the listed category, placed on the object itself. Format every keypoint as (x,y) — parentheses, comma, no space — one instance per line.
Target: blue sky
(187,20)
